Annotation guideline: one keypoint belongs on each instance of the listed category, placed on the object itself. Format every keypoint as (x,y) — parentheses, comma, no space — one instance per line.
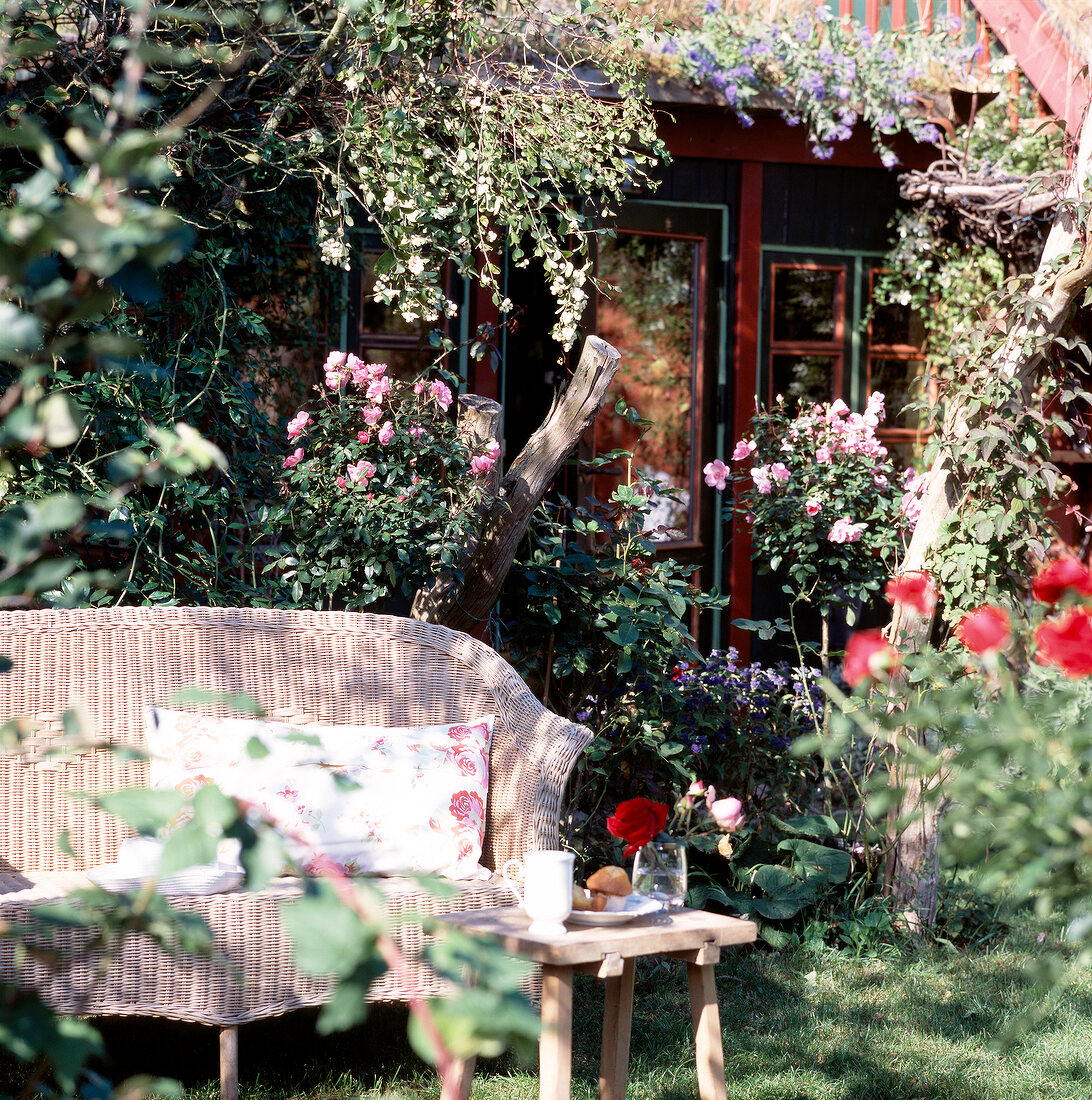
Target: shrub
(380,487)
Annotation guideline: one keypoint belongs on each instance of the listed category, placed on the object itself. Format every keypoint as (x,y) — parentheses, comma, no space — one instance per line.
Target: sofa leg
(229,1063)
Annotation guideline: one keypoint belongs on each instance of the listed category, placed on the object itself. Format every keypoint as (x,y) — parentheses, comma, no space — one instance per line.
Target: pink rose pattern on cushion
(418,803)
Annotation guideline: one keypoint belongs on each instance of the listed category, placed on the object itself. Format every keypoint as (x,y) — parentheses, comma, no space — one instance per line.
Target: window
(379,333)
(821,341)
(654,316)
(807,332)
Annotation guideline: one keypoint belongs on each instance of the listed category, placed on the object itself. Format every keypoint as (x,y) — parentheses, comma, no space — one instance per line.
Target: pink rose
(822,454)
(492,448)
(378,389)
(441,393)
(480,465)
(744,449)
(359,472)
(293,459)
(717,474)
(386,433)
(298,424)
(363,437)
(357,370)
(812,506)
(372,416)
(760,475)
(418,386)
(779,472)
(727,813)
(846,531)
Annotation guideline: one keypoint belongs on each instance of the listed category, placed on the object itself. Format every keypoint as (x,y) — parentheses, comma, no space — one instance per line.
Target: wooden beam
(748,279)
(1041,50)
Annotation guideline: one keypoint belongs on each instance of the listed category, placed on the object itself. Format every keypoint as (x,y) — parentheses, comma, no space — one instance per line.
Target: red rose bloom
(637,821)
(1062,575)
(915,588)
(1066,642)
(985,629)
(869,656)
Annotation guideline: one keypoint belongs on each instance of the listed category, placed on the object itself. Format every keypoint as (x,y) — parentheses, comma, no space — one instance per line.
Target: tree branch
(464,604)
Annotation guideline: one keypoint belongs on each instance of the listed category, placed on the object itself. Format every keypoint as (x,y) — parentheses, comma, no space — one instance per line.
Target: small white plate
(213,878)
(636,906)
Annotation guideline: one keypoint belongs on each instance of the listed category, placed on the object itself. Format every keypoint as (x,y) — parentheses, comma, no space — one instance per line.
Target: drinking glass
(659,872)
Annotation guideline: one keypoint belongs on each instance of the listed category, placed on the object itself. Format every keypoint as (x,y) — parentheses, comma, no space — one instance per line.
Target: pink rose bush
(381,490)
(822,497)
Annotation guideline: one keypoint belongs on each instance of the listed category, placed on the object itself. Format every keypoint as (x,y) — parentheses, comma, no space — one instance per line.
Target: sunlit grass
(916,1025)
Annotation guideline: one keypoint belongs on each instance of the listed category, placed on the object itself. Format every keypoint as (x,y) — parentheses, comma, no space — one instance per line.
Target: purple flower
(888,158)
(929,133)
(812,84)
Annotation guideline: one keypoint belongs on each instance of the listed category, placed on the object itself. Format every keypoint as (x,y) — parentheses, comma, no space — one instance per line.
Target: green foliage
(381,492)
(503,140)
(947,284)
(1002,461)
(1006,746)
(782,870)
(614,616)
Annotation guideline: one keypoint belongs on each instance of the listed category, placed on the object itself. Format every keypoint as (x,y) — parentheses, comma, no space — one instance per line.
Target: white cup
(547,895)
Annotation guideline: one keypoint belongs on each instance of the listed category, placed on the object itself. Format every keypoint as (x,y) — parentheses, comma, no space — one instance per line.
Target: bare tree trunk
(466,603)
(913,872)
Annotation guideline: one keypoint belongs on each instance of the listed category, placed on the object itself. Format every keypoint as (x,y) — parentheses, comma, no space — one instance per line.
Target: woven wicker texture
(111,665)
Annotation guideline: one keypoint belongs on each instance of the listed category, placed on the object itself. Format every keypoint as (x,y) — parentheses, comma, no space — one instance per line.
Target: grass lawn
(917,1024)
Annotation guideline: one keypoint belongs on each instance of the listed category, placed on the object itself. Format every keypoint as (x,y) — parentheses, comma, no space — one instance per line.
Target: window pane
(802,377)
(404,363)
(900,381)
(897,324)
(805,302)
(651,317)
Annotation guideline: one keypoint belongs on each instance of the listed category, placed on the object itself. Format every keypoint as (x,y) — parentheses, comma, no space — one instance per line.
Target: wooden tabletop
(680,930)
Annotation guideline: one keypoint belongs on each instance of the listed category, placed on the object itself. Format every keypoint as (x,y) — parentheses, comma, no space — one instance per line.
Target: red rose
(915,588)
(467,806)
(637,821)
(1066,643)
(1062,575)
(985,629)
(869,656)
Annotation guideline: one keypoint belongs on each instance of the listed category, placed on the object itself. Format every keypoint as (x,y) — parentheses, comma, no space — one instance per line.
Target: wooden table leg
(617,1017)
(708,1045)
(555,1047)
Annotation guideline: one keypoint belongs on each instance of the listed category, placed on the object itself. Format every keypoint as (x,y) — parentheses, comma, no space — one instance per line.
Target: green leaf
(814,862)
(144,811)
(819,825)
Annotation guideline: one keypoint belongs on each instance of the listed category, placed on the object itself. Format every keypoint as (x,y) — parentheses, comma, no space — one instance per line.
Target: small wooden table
(609,953)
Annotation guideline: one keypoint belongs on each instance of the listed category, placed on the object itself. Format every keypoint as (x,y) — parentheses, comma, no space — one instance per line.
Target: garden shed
(747,273)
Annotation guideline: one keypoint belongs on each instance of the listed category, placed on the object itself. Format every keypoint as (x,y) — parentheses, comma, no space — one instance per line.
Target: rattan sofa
(336,668)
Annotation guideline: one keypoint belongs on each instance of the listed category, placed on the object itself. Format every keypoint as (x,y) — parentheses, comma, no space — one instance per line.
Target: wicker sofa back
(111,665)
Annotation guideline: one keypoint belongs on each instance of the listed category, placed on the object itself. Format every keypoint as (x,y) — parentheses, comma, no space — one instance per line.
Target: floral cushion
(369,798)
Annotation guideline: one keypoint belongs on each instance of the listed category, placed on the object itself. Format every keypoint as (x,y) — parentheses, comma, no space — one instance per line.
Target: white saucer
(636,906)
